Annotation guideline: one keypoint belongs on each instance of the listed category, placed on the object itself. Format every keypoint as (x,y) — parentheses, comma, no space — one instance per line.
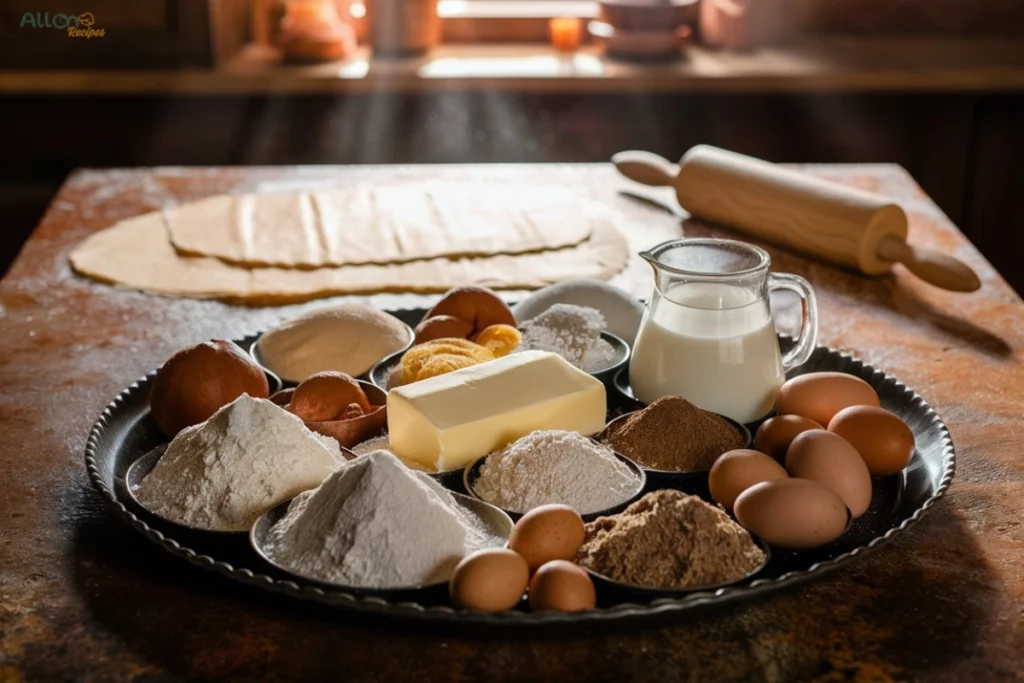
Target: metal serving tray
(126,431)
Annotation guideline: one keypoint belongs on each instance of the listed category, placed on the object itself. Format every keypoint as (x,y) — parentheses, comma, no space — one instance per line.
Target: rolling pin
(825,220)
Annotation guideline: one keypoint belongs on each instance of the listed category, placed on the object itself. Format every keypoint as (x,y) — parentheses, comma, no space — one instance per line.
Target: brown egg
(736,471)
(792,513)
(829,459)
(775,434)
(548,532)
(820,395)
(882,439)
(562,585)
(491,580)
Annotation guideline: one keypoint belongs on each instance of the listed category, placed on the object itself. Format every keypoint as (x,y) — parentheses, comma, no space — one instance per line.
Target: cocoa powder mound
(673,434)
(669,539)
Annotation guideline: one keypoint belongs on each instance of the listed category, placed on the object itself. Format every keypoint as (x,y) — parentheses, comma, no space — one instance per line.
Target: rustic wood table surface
(82,596)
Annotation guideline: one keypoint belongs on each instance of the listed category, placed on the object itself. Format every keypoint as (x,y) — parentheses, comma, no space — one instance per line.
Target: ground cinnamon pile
(675,435)
(669,539)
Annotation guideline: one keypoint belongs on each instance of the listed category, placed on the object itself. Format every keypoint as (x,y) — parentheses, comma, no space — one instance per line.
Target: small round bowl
(273,381)
(637,15)
(623,352)
(450,479)
(648,593)
(381,371)
(628,402)
(375,394)
(691,481)
(348,433)
(622,387)
(472,473)
(497,523)
(254,353)
(139,470)
(640,45)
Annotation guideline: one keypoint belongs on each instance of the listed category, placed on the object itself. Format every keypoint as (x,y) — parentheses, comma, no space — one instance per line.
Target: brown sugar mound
(673,434)
(669,539)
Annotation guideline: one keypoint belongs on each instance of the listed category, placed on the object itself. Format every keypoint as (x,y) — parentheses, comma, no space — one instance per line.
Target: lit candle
(565,33)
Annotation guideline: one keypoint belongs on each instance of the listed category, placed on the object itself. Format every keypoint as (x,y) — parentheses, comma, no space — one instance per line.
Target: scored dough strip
(392,224)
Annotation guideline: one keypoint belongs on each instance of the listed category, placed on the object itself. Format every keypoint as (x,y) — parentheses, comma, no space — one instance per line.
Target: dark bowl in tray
(381,371)
(624,590)
(450,479)
(286,382)
(693,481)
(472,472)
(626,401)
(139,470)
(496,521)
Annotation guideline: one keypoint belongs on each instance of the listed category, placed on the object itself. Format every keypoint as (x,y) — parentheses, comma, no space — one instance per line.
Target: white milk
(713,344)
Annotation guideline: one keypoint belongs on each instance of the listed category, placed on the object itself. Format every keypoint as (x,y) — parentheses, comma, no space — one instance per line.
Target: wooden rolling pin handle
(646,168)
(931,266)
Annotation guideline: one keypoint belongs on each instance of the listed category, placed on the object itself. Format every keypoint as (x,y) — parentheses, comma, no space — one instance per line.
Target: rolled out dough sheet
(391,224)
(137,254)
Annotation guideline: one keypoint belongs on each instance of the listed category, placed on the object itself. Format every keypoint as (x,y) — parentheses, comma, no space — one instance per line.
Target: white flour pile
(248,457)
(574,333)
(555,466)
(376,524)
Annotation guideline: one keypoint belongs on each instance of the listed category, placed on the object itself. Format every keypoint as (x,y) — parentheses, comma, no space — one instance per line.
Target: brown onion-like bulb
(199,380)
(326,395)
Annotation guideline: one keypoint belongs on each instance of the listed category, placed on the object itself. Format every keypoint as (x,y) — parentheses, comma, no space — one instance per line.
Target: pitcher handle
(808,338)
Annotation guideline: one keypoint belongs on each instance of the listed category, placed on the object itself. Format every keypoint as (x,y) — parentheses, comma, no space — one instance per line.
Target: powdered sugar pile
(376,524)
(554,466)
(574,333)
(622,311)
(251,455)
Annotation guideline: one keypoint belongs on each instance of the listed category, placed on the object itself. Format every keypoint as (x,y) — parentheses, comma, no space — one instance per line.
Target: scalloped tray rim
(622,611)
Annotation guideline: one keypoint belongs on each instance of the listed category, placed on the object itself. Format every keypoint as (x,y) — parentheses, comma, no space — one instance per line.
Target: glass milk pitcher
(707,334)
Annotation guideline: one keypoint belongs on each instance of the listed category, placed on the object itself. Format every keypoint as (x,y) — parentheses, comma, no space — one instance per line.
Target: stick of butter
(451,419)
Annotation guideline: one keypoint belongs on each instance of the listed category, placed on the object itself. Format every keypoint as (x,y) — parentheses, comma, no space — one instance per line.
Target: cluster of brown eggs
(813,465)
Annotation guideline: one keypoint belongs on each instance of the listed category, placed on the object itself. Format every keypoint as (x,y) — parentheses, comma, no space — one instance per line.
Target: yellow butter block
(449,420)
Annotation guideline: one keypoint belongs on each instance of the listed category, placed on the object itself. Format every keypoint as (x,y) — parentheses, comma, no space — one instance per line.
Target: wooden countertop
(82,594)
(838,63)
